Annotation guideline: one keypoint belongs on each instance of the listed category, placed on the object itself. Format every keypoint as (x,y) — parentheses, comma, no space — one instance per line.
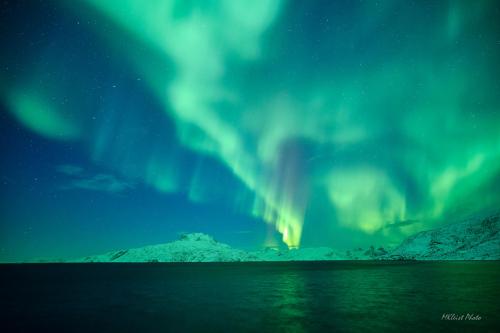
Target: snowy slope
(304,254)
(196,247)
(199,247)
(474,239)
(477,238)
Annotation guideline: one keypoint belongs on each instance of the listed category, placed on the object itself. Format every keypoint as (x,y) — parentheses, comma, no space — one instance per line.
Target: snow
(199,247)
(477,238)
(195,247)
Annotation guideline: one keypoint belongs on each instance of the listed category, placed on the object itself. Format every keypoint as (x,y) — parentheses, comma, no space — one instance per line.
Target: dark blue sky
(44,213)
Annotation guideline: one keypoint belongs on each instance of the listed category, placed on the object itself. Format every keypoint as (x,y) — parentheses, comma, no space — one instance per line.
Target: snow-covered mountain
(477,238)
(196,247)
(473,239)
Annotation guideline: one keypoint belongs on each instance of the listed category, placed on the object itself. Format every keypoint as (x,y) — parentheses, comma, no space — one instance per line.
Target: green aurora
(380,118)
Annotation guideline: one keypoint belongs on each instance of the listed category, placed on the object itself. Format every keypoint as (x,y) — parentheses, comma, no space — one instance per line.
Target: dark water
(254,297)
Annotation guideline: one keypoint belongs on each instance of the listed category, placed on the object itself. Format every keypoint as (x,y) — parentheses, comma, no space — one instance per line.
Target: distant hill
(477,238)
(473,239)
(198,247)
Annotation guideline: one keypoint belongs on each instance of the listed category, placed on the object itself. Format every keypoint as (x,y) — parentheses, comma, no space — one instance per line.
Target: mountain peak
(473,239)
(197,237)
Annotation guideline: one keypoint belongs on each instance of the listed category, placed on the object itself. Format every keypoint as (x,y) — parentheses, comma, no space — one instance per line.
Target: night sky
(263,123)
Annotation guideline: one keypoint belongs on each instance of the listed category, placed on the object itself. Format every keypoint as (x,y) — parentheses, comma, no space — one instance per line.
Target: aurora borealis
(336,123)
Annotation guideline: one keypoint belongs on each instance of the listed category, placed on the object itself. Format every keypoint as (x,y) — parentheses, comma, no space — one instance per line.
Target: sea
(335,296)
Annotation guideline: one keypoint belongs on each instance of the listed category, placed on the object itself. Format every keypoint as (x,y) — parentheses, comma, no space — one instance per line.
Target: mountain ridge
(476,238)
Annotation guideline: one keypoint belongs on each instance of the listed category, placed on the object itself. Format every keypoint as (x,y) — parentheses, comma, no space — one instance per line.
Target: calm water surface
(250,297)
